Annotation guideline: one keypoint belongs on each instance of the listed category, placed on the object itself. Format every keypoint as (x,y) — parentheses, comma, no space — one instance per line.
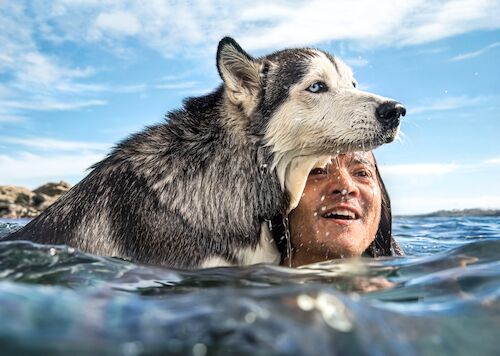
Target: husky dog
(197,190)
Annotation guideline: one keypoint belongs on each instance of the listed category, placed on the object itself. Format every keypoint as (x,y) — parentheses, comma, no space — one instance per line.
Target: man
(344,212)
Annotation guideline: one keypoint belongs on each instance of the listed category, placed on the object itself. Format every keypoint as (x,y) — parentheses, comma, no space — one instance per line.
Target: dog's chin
(389,139)
(358,145)
(371,144)
(391,135)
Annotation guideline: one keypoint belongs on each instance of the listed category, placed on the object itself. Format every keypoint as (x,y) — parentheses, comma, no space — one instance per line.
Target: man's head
(339,212)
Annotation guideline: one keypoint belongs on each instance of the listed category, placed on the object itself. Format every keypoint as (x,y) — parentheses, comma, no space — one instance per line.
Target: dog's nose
(389,113)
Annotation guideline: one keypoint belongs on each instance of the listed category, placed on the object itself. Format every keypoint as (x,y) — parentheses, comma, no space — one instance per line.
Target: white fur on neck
(293,172)
(265,252)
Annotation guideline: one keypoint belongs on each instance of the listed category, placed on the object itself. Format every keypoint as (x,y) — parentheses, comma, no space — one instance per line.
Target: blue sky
(78,76)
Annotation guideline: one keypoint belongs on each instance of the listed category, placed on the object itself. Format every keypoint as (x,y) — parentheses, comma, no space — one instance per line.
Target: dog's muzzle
(388,114)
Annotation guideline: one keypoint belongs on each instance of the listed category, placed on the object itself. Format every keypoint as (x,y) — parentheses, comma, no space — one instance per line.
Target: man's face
(339,212)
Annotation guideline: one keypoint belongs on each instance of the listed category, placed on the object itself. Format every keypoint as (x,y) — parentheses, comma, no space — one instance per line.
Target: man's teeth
(341,213)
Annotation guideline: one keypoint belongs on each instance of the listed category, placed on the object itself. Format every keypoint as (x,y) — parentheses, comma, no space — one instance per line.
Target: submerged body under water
(442,298)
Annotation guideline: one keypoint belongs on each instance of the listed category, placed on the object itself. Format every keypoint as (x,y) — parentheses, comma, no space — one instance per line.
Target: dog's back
(176,194)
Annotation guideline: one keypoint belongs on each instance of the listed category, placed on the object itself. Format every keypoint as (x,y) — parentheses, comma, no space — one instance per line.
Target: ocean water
(443,298)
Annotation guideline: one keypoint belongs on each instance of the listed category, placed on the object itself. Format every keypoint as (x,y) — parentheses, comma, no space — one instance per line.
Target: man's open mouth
(341,214)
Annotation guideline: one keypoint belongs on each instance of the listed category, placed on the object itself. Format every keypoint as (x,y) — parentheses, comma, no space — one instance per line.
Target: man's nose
(343,184)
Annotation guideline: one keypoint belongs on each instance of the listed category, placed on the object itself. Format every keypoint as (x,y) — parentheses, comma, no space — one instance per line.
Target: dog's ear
(240,73)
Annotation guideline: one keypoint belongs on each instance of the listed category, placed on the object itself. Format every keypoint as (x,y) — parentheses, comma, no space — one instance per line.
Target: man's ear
(240,73)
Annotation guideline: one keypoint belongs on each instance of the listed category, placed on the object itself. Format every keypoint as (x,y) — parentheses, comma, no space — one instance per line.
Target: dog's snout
(389,113)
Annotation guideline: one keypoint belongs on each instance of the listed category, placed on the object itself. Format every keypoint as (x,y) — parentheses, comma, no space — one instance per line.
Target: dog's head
(306,105)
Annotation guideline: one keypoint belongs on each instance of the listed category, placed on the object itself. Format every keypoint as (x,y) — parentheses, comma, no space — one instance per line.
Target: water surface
(442,298)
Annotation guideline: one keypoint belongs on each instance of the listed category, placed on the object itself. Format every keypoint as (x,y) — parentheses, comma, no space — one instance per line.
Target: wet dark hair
(383,244)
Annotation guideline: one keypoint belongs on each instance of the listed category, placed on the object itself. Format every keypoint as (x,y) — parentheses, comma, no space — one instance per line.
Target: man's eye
(363,173)
(317,171)
(318,87)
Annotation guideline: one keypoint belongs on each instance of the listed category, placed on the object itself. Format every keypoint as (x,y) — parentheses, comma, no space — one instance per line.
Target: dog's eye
(318,87)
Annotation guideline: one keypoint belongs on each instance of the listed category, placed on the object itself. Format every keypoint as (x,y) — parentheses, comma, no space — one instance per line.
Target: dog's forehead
(324,65)
(291,64)
(288,67)
(296,65)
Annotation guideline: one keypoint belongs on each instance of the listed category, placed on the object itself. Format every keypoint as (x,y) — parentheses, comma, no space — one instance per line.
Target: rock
(42,201)
(20,202)
(12,194)
(53,189)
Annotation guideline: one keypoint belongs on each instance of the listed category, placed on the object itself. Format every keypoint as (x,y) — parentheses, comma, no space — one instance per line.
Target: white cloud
(432,50)
(356,62)
(427,187)
(31,170)
(95,88)
(52,105)
(177,27)
(117,22)
(429,202)
(13,119)
(39,69)
(448,103)
(196,91)
(475,53)
(492,161)
(56,145)
(55,160)
(180,85)
(36,80)
(424,169)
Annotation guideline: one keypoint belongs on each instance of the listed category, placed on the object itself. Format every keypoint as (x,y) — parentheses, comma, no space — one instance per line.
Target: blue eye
(318,87)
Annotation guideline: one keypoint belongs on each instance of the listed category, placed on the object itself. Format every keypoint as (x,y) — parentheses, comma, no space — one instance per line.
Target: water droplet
(323,208)
(322,197)
(305,302)
(334,312)
(199,349)
(250,317)
(315,214)
(52,251)
(132,348)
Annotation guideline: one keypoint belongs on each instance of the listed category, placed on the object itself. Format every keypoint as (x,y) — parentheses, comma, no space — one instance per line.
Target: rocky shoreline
(20,202)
